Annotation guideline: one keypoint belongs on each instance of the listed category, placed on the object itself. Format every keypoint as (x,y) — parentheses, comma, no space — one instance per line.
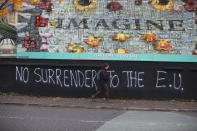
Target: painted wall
(50,26)
(79,78)
(44,32)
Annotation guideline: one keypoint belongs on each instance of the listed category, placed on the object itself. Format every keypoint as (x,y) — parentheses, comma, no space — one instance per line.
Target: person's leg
(106,88)
(99,91)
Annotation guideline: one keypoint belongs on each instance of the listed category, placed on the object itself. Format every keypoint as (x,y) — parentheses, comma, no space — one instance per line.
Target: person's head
(106,66)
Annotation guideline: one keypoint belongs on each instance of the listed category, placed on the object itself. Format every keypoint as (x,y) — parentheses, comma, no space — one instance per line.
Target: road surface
(29,118)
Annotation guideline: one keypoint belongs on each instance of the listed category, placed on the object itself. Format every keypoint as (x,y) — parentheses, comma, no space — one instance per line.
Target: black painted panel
(128,79)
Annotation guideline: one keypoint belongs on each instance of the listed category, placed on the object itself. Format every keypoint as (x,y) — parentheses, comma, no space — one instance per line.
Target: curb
(104,107)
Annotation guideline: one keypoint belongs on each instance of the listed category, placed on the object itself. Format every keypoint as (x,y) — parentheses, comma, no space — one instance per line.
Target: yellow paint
(155,4)
(84,8)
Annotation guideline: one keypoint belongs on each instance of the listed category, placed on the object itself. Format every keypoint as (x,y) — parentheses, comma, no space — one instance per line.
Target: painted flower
(121,37)
(45,4)
(161,4)
(48,35)
(41,21)
(191,5)
(92,41)
(194,52)
(44,47)
(120,50)
(114,6)
(84,5)
(29,42)
(149,37)
(73,47)
(163,45)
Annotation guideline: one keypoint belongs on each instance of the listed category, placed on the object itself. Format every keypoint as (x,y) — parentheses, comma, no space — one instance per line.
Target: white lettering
(73,78)
(46,75)
(58,75)
(180,81)
(94,75)
(19,73)
(27,72)
(140,79)
(51,75)
(128,83)
(87,78)
(65,77)
(160,79)
(81,78)
(40,78)
(133,78)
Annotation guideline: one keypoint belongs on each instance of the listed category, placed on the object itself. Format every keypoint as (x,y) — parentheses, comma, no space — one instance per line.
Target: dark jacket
(104,76)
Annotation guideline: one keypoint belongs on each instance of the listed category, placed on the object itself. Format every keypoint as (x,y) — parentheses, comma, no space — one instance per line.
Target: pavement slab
(152,121)
(116,104)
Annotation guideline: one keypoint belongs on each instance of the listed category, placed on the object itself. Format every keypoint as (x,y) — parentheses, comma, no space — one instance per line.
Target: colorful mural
(8,40)
(102,29)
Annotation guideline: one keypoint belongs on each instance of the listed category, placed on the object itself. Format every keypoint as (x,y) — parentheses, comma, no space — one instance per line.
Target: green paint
(5,27)
(66,7)
(100,33)
(108,56)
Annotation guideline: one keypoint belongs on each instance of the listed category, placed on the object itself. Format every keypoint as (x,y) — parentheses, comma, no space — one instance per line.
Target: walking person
(103,80)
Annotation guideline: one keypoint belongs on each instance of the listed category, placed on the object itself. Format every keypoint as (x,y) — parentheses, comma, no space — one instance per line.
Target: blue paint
(189,37)
(188,15)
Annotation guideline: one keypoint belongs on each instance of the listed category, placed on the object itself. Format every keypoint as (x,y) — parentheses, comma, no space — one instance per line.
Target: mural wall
(108,29)
(71,78)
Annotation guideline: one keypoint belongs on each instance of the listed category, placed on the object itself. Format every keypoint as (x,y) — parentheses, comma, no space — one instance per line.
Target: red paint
(191,5)
(45,4)
(114,6)
(41,21)
(194,52)
(29,42)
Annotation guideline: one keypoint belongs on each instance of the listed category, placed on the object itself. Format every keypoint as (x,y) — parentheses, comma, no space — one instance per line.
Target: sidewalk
(136,105)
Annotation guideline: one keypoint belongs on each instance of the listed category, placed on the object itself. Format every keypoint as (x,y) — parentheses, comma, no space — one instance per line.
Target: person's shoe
(93,97)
